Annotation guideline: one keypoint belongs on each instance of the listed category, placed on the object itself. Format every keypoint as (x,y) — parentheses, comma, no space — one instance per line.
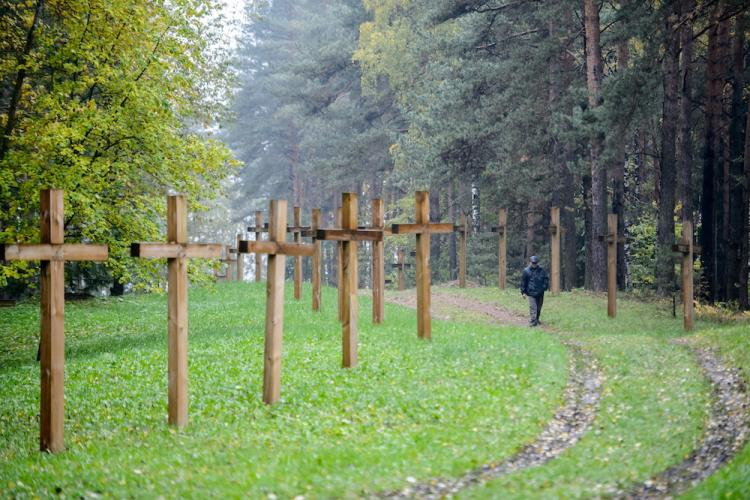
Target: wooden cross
(259,229)
(52,253)
(502,260)
(423,229)
(612,240)
(401,265)
(378,259)
(463,230)
(177,251)
(316,261)
(227,259)
(349,235)
(239,259)
(555,232)
(297,230)
(686,247)
(276,248)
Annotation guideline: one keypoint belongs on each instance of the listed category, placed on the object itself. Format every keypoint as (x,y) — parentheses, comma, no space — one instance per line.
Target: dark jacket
(534,281)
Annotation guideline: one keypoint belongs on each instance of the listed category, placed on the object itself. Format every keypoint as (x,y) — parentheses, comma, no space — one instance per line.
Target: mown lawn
(653,407)
(411,409)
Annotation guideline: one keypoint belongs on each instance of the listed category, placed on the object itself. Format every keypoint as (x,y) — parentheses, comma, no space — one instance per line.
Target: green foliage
(115,108)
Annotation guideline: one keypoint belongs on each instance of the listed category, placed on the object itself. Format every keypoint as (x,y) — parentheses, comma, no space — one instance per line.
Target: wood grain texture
(426,227)
(257,257)
(349,234)
(422,217)
(176,250)
(276,248)
(688,312)
(350,308)
(274,306)
(60,252)
(177,315)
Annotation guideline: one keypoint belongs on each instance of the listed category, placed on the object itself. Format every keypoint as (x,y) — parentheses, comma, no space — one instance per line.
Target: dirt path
(570,422)
(727,431)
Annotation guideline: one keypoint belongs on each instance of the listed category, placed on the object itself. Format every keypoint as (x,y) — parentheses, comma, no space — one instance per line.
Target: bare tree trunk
(736,145)
(685,126)
(668,162)
(714,82)
(745,248)
(618,175)
(598,171)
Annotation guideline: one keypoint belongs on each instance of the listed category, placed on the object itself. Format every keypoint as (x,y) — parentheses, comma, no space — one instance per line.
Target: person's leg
(539,303)
(532,310)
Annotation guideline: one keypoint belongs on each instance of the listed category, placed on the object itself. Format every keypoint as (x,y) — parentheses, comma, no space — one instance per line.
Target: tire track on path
(571,420)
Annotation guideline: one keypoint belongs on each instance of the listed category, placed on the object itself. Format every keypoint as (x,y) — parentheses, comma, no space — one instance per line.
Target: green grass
(476,393)
(653,406)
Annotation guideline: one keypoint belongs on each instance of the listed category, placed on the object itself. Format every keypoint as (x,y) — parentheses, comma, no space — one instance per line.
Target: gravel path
(570,422)
(727,431)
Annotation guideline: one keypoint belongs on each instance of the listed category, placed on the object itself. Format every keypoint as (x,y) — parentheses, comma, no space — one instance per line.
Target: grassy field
(410,409)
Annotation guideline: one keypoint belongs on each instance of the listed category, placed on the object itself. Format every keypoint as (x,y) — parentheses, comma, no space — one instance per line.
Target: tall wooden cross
(423,229)
(259,229)
(555,232)
(502,260)
(177,251)
(52,253)
(401,265)
(348,236)
(686,247)
(463,232)
(378,261)
(277,249)
(612,240)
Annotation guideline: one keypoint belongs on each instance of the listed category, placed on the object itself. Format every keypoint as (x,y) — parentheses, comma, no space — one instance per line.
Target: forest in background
(637,108)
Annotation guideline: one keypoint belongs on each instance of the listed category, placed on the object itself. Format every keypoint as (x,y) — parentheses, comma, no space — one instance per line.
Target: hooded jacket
(534,281)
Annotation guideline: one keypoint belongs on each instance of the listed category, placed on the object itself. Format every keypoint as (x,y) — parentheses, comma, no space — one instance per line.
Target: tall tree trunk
(618,175)
(745,248)
(722,185)
(668,162)
(476,220)
(685,121)
(736,170)
(587,224)
(714,82)
(598,171)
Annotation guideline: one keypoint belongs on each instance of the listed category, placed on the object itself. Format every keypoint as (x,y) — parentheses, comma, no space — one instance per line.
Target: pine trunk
(668,163)
(685,123)
(598,260)
(618,176)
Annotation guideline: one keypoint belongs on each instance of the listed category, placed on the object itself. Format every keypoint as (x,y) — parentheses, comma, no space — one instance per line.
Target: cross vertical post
(555,232)
(350,282)
(177,250)
(258,232)
(240,260)
(52,252)
(502,260)
(378,258)
(340,267)
(315,225)
(462,229)
(612,265)
(297,211)
(423,229)
(686,247)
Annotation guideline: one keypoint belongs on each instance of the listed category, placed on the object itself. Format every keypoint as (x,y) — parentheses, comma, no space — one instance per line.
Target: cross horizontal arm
(297,229)
(684,248)
(50,252)
(258,229)
(498,229)
(349,234)
(441,227)
(175,250)
(277,248)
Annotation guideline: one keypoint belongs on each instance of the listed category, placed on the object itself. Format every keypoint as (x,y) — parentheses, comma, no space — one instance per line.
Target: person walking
(534,282)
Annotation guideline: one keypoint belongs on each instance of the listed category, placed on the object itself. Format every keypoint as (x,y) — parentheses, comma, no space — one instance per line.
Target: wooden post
(378,259)
(297,259)
(502,261)
(686,247)
(463,233)
(240,261)
(177,251)
(258,257)
(401,265)
(350,282)
(423,230)
(555,232)
(276,248)
(612,265)
(52,253)
(340,267)
(316,262)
